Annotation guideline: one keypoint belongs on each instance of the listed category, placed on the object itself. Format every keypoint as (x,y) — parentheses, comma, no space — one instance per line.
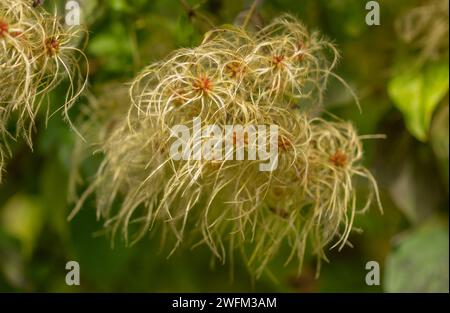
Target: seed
(203,84)
(339,159)
(16,34)
(284,143)
(238,140)
(235,69)
(301,55)
(4,27)
(277,61)
(52,46)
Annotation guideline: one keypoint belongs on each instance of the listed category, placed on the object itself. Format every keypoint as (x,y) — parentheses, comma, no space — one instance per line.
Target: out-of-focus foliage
(416,265)
(417,94)
(411,164)
(419,84)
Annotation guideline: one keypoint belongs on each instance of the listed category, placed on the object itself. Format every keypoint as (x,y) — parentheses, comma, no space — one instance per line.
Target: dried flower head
(36,53)
(234,78)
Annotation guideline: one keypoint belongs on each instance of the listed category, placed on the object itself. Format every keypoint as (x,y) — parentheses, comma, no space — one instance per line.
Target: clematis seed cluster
(36,53)
(276,76)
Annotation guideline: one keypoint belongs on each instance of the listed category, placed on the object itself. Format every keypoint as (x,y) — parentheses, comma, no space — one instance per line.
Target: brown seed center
(235,69)
(277,61)
(203,84)
(284,143)
(4,28)
(52,46)
(339,159)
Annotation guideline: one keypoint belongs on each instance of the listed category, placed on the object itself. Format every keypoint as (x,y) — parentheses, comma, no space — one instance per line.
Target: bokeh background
(403,88)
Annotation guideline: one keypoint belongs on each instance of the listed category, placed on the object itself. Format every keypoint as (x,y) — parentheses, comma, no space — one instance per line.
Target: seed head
(234,78)
(36,53)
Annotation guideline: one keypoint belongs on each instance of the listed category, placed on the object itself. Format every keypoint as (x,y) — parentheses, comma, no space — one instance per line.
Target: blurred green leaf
(420,261)
(22,218)
(113,47)
(417,92)
(120,5)
(12,266)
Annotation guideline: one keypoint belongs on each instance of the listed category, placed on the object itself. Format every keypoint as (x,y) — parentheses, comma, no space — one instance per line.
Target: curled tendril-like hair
(234,78)
(426,28)
(36,53)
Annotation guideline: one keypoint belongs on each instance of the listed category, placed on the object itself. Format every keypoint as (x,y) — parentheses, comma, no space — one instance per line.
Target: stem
(250,13)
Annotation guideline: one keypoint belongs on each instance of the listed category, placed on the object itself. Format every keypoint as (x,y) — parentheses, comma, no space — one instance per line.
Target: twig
(192,13)
(249,16)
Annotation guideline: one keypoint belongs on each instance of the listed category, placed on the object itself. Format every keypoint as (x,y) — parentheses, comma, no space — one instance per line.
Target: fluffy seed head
(234,78)
(36,53)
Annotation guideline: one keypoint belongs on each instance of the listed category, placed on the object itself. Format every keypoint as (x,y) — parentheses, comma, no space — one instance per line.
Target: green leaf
(22,218)
(417,92)
(420,261)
